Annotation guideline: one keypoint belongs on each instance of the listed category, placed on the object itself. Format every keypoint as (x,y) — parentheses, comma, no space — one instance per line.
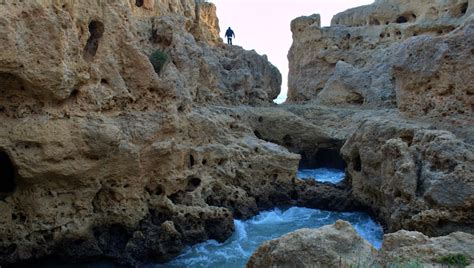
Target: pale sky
(264,25)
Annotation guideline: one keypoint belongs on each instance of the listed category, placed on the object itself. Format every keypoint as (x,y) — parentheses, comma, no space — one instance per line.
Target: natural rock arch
(323,157)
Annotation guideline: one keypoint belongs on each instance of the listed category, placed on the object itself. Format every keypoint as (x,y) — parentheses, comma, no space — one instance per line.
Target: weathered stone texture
(338,245)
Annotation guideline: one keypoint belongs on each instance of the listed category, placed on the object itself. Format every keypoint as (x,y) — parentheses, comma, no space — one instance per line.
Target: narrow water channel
(269,225)
(250,234)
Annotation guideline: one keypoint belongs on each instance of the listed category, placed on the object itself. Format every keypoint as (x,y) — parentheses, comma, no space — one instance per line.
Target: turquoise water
(322,174)
(268,225)
(250,234)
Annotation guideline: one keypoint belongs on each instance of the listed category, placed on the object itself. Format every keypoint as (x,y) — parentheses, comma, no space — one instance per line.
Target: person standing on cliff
(229,34)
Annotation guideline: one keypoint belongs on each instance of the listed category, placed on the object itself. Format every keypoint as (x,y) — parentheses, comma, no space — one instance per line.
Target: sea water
(250,234)
(321,174)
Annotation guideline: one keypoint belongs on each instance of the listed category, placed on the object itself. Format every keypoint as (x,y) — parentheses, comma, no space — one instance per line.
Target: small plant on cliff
(158,59)
(454,260)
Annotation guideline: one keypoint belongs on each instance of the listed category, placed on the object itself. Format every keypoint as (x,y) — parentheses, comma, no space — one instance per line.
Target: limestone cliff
(380,55)
(103,156)
(392,81)
(129,131)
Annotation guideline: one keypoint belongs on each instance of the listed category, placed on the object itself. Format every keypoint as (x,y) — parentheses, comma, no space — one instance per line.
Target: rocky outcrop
(338,245)
(363,58)
(103,156)
(455,249)
(413,177)
(128,130)
(389,81)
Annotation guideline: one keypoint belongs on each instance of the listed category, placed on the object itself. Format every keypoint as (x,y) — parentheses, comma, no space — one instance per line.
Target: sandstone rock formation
(103,157)
(379,55)
(415,178)
(338,245)
(406,247)
(391,81)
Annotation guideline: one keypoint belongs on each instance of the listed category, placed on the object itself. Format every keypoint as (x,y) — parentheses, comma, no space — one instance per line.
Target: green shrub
(158,59)
(454,260)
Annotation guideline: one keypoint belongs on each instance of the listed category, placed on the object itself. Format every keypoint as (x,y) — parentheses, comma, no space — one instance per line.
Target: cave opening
(322,158)
(357,163)
(7,175)
(96,30)
(139,3)
(460,10)
(193,184)
(401,19)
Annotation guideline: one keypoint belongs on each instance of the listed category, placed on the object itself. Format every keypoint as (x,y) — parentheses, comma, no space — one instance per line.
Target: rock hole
(191,161)
(112,239)
(74,93)
(158,190)
(260,119)
(7,175)
(357,163)
(407,138)
(139,3)
(96,30)
(356,99)
(323,158)
(401,19)
(464,8)
(104,82)
(460,10)
(287,141)
(204,162)
(193,184)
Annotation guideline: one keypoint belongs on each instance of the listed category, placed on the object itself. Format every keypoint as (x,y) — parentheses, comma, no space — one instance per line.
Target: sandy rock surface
(339,245)
(336,245)
(104,155)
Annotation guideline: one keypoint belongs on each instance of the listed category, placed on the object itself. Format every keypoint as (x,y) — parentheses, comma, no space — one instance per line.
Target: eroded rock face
(406,247)
(104,157)
(400,68)
(413,177)
(338,245)
(383,54)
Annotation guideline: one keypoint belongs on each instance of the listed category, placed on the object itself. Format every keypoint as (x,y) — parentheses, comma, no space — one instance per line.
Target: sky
(264,25)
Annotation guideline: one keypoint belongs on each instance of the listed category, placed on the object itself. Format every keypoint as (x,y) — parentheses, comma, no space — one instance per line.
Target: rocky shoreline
(105,153)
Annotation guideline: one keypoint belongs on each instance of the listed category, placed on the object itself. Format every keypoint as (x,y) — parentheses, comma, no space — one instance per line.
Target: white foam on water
(322,174)
(250,234)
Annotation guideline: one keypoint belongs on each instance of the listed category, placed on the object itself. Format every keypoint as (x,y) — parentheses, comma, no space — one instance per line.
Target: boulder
(336,245)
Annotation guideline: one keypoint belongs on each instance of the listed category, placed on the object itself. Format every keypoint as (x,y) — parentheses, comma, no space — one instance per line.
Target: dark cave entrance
(7,175)
(139,3)
(322,158)
(96,30)
(401,19)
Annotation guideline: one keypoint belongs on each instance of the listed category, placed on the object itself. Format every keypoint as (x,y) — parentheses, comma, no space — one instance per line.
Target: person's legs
(229,40)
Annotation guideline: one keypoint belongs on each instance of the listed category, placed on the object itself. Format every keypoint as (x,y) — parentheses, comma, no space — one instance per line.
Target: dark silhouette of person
(229,34)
